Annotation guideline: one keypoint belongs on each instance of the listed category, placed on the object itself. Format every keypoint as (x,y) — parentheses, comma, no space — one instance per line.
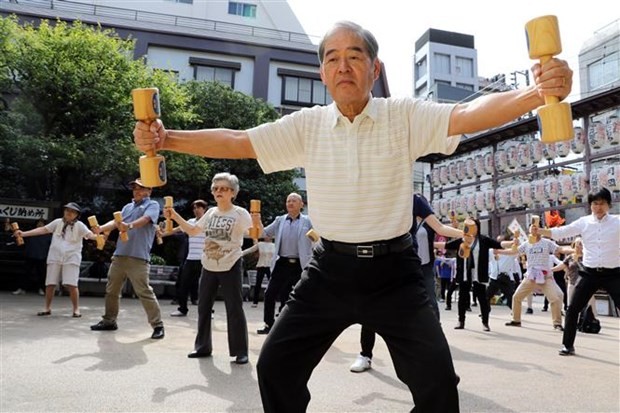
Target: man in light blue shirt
(131,259)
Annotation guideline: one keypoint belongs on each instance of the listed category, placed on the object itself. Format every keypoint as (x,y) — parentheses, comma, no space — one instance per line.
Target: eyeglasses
(220,189)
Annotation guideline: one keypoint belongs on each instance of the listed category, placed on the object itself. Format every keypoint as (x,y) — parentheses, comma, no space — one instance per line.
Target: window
(465,86)
(303,88)
(464,66)
(604,71)
(420,69)
(215,70)
(442,63)
(242,9)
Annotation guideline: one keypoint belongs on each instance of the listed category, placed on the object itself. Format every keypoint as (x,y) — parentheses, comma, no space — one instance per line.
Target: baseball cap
(73,206)
(138,182)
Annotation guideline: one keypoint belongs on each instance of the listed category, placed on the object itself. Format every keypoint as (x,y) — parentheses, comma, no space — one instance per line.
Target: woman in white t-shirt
(224,226)
(65,255)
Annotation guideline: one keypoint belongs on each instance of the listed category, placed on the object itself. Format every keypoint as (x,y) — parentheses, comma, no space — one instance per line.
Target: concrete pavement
(56,364)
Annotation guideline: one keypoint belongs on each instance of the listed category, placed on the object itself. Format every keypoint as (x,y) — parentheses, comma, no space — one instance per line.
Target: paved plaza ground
(56,364)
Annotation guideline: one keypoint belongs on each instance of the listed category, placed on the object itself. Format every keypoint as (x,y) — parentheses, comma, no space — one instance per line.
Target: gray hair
(232,180)
(372,47)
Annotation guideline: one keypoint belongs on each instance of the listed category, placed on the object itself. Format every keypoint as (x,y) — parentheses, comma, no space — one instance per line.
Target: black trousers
(387,295)
(285,275)
(479,292)
(590,282)
(261,272)
(504,284)
(188,283)
(236,323)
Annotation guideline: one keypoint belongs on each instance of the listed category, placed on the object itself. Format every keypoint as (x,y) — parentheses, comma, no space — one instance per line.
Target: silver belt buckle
(292,260)
(365,251)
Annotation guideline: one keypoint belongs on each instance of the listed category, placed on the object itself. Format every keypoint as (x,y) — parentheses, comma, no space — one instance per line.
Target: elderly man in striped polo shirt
(359,154)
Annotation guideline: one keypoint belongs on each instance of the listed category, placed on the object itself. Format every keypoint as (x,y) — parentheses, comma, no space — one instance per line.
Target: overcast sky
(497,27)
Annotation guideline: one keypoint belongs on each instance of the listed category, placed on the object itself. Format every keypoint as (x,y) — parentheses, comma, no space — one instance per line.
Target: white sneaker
(361,363)
(19,291)
(41,292)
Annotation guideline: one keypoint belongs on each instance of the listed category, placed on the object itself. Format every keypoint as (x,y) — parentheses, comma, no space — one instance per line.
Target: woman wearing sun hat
(65,254)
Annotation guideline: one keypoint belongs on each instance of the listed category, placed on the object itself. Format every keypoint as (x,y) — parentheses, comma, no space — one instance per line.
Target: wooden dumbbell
(18,240)
(146,109)
(118,218)
(555,120)
(469,230)
(168,203)
(532,239)
(92,221)
(313,235)
(254,208)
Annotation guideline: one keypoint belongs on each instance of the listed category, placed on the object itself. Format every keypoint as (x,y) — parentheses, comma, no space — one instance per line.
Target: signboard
(23,212)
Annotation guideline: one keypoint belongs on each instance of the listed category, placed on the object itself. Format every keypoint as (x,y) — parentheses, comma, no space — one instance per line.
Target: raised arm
(441,229)
(554,78)
(211,143)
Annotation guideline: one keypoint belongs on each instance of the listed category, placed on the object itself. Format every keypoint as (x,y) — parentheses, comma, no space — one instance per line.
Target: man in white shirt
(359,155)
(600,232)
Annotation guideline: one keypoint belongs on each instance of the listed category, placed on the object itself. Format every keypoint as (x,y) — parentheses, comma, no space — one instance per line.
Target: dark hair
(372,47)
(602,194)
(200,203)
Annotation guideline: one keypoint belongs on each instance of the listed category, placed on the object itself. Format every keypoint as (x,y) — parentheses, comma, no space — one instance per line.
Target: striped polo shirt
(196,244)
(359,175)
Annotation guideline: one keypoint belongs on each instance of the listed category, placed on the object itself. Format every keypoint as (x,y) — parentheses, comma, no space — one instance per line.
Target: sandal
(77,315)
(48,312)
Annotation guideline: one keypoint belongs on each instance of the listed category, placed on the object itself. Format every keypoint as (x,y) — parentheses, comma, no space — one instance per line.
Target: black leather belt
(290,260)
(603,269)
(370,249)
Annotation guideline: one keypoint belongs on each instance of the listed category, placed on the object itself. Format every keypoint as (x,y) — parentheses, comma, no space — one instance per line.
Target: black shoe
(460,326)
(241,360)
(196,355)
(544,309)
(158,332)
(529,311)
(513,324)
(468,308)
(558,327)
(194,302)
(485,327)
(448,307)
(264,330)
(103,326)
(475,304)
(566,351)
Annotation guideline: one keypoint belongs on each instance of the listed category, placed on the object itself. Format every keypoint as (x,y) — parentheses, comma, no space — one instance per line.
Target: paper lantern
(538,190)
(470,203)
(551,189)
(565,184)
(562,148)
(536,152)
(479,165)
(489,163)
(597,135)
(452,172)
(443,174)
(460,204)
(501,198)
(435,177)
(444,207)
(594,179)
(613,178)
(512,155)
(460,170)
(579,141)
(489,200)
(525,156)
(479,200)
(526,193)
(549,151)
(515,195)
(470,168)
(613,130)
(501,160)
(578,181)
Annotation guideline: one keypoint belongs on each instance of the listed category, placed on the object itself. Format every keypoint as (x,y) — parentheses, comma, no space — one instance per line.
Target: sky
(497,27)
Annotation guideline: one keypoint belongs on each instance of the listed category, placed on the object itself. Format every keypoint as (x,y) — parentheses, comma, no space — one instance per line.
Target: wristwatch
(131,226)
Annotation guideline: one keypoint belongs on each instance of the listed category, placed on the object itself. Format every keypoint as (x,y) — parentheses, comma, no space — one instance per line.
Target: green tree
(218,106)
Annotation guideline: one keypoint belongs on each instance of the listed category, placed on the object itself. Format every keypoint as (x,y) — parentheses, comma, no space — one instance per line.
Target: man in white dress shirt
(600,232)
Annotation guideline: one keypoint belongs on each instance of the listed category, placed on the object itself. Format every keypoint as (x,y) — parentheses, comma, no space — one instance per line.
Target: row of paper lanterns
(551,189)
(524,154)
